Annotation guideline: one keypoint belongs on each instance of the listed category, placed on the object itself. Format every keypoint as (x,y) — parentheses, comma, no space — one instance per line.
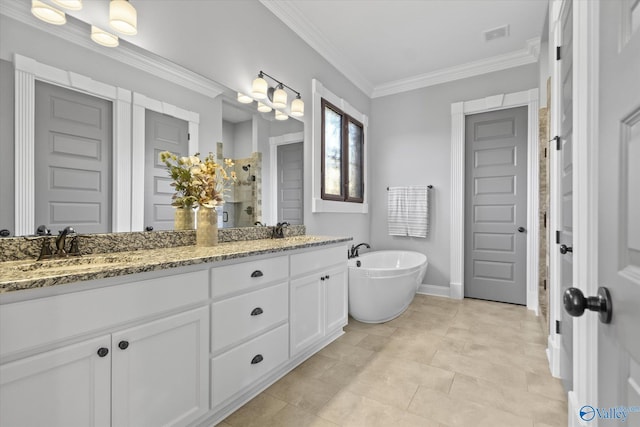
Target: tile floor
(442,363)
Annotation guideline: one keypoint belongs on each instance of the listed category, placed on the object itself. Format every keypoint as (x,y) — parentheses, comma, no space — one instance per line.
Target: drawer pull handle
(256,311)
(123,345)
(257,359)
(103,351)
(257,273)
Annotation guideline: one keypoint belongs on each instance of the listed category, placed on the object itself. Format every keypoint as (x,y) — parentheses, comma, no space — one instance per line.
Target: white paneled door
(496,205)
(619,206)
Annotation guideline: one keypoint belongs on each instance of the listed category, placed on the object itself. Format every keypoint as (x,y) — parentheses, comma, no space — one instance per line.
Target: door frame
(274,143)
(459,110)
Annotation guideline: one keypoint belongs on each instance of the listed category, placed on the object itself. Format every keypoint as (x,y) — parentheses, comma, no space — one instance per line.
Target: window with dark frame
(342,155)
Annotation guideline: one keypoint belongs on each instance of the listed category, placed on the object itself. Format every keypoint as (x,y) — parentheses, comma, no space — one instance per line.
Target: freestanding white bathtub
(382,284)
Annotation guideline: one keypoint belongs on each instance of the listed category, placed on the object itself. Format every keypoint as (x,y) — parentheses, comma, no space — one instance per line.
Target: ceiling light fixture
(277,94)
(69,4)
(104,38)
(123,17)
(47,13)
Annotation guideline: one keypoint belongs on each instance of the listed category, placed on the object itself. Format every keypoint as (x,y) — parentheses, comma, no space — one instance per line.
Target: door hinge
(557,53)
(544,284)
(558,237)
(558,143)
(545,152)
(188,137)
(557,326)
(545,220)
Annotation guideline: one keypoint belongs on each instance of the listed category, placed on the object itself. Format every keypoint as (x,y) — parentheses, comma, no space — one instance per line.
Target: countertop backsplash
(24,248)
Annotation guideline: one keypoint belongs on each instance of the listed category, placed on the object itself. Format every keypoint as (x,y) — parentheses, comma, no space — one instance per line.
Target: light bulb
(123,17)
(281,116)
(297,107)
(263,108)
(104,38)
(47,13)
(244,99)
(279,98)
(259,88)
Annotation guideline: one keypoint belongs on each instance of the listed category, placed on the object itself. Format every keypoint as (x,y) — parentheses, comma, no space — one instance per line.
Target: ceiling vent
(496,33)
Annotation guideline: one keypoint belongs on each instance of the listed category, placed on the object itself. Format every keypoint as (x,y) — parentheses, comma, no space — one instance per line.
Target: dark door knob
(521,229)
(564,249)
(149,228)
(123,345)
(575,303)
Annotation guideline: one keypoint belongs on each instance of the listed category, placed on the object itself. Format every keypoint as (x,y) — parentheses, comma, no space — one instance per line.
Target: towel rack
(428,186)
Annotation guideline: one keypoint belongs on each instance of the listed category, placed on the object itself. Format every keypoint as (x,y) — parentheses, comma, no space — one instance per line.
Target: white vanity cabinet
(144,360)
(318,295)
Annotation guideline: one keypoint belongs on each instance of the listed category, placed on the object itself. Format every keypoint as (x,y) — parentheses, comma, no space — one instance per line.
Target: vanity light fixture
(123,17)
(69,4)
(48,13)
(244,99)
(277,95)
(104,38)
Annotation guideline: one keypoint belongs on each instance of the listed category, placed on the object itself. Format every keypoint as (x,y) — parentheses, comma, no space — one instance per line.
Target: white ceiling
(387,46)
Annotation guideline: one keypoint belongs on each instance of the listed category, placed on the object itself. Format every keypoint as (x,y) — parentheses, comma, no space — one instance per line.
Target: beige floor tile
(352,337)
(421,322)
(546,385)
(306,393)
(381,329)
(479,368)
(352,410)
(255,413)
(315,366)
(340,374)
(347,353)
(384,390)
(292,416)
(462,412)
(515,358)
(374,342)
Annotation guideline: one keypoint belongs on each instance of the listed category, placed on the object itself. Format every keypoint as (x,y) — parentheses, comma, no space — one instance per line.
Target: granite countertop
(31,274)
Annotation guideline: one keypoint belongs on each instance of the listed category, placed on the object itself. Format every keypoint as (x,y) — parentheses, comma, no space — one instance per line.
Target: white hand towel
(408,211)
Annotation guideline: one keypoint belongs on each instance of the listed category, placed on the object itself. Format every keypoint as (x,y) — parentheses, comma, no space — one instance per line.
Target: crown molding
(77,32)
(528,55)
(291,16)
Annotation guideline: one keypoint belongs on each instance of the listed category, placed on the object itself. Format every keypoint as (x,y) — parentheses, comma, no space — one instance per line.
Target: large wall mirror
(85,124)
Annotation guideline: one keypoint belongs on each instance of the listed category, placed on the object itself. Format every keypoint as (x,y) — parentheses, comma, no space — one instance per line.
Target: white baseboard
(439,291)
(553,354)
(573,413)
(456,291)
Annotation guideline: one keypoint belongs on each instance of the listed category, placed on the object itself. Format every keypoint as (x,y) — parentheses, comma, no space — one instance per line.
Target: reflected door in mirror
(162,133)
(73,145)
(290,183)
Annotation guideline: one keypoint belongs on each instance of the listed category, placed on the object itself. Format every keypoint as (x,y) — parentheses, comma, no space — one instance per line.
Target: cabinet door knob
(257,273)
(103,351)
(123,345)
(256,311)
(257,359)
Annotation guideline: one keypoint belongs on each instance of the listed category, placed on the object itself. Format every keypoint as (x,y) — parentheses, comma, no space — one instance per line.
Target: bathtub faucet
(353,252)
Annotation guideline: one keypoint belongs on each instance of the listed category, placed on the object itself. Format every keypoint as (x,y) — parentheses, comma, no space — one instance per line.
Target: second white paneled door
(496,205)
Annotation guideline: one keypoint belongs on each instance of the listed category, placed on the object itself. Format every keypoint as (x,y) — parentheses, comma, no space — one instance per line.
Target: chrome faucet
(62,239)
(353,252)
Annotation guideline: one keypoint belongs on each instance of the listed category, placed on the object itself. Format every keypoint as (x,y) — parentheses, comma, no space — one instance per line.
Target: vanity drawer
(318,259)
(241,367)
(235,278)
(236,318)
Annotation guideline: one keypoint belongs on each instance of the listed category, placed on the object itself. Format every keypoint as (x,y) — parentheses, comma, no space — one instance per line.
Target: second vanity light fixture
(123,18)
(260,90)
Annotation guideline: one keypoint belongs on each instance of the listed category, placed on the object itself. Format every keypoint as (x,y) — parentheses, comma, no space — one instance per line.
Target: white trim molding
(27,71)
(274,143)
(527,98)
(317,203)
(141,103)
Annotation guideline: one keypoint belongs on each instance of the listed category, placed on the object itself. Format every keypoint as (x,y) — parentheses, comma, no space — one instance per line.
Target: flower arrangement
(198,182)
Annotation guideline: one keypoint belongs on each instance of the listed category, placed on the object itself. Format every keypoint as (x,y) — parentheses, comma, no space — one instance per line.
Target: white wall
(410,137)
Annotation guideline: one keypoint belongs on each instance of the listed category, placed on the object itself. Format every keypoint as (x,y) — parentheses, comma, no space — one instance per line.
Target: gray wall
(410,145)
(7,182)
